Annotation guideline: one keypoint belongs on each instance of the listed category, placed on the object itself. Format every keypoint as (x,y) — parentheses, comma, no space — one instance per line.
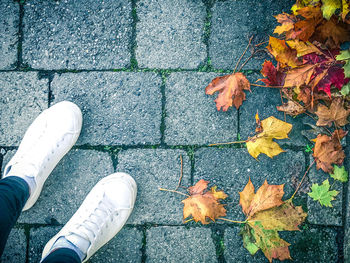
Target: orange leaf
(203,204)
(230,88)
(246,197)
(287,23)
(328,150)
(282,53)
(299,76)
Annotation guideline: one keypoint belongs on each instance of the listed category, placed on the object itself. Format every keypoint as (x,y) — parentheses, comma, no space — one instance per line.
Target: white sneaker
(102,214)
(47,140)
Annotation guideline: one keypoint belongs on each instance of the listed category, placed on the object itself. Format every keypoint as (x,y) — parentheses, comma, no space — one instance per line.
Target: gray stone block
(22,98)
(264,101)
(230,170)
(191,116)
(118,107)
(180,244)
(124,247)
(307,246)
(234,22)
(8,34)
(67,186)
(16,246)
(321,215)
(77,35)
(38,238)
(169,33)
(153,169)
(347,214)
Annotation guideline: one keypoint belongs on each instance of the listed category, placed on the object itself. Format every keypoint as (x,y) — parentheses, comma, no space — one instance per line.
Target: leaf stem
(307,170)
(239,60)
(181,173)
(232,221)
(173,191)
(223,143)
(188,220)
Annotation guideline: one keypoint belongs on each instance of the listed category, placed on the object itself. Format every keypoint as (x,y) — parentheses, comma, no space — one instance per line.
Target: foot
(47,140)
(100,217)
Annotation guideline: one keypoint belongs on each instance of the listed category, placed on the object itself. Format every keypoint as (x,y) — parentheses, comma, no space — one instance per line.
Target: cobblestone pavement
(138,70)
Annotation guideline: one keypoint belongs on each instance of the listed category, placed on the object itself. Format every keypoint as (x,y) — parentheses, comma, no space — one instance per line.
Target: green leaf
(340,174)
(345,90)
(329,7)
(249,245)
(322,194)
(345,55)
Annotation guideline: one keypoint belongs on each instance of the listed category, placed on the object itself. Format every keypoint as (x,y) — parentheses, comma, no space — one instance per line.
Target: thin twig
(232,221)
(250,57)
(174,191)
(296,190)
(188,220)
(239,60)
(223,143)
(262,43)
(285,117)
(181,173)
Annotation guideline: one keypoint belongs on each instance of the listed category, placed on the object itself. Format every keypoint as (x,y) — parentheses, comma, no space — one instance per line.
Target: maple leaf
(345,55)
(292,108)
(262,142)
(299,76)
(304,29)
(345,90)
(266,215)
(340,174)
(282,53)
(329,7)
(287,22)
(273,76)
(203,204)
(335,76)
(332,33)
(322,194)
(303,48)
(230,88)
(336,113)
(328,150)
(346,9)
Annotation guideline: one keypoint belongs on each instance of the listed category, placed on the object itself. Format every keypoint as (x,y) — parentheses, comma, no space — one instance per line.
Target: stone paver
(233,22)
(191,116)
(71,35)
(322,215)
(9,20)
(22,97)
(264,101)
(169,33)
(16,246)
(180,244)
(77,173)
(346,244)
(124,247)
(230,170)
(308,246)
(118,107)
(153,169)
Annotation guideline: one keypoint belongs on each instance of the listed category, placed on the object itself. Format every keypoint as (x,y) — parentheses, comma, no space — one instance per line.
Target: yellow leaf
(303,48)
(218,194)
(272,128)
(329,7)
(346,9)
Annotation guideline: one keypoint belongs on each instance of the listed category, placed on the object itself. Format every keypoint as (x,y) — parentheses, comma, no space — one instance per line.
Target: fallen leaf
(304,29)
(328,150)
(346,9)
(303,48)
(340,174)
(287,23)
(202,204)
(282,53)
(299,76)
(292,108)
(329,7)
(273,76)
(345,56)
(262,142)
(322,193)
(334,77)
(332,33)
(336,113)
(230,88)
(266,215)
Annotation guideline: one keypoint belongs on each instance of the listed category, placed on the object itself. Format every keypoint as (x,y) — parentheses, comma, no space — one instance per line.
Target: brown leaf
(328,150)
(230,88)
(299,76)
(292,108)
(246,196)
(332,33)
(336,113)
(203,204)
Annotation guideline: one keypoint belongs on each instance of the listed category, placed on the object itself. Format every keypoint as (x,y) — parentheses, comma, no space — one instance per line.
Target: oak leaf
(262,142)
(203,204)
(328,150)
(335,113)
(231,90)
(266,215)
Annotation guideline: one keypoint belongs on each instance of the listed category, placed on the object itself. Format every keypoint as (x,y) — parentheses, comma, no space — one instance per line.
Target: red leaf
(273,76)
(336,77)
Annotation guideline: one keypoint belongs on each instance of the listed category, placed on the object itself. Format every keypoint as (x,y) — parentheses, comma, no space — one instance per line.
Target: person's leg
(14,192)
(47,140)
(101,216)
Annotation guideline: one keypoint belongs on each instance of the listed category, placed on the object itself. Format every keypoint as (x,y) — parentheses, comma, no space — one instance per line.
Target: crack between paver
(20,36)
